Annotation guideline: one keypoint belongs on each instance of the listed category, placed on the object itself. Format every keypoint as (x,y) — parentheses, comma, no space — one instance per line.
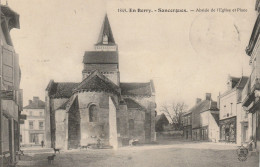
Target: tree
(174,112)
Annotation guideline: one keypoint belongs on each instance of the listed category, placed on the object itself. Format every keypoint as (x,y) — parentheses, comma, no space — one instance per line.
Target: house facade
(251,102)
(161,123)
(187,127)
(11,93)
(32,131)
(233,120)
(204,120)
(209,123)
(100,107)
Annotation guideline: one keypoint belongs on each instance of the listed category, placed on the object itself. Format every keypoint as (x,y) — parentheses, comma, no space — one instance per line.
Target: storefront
(256,128)
(187,132)
(228,130)
(196,134)
(204,133)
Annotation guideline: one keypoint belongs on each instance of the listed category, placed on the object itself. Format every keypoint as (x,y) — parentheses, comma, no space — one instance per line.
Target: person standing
(42,143)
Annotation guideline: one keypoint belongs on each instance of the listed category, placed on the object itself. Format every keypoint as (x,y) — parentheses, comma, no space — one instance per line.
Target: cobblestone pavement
(180,154)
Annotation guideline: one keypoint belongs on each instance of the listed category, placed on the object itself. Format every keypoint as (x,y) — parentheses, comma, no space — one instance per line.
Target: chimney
(30,101)
(198,100)
(208,96)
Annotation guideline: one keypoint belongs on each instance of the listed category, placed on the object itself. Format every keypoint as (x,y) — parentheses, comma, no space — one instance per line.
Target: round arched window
(93,113)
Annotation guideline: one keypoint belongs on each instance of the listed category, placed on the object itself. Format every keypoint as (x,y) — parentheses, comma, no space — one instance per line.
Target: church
(100,107)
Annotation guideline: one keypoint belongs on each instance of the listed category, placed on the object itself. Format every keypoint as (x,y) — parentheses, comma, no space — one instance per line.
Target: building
(101,107)
(11,94)
(203,120)
(162,123)
(187,127)
(32,132)
(251,92)
(233,118)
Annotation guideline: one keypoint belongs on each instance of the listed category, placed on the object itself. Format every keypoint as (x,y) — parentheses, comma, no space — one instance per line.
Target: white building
(233,119)
(33,130)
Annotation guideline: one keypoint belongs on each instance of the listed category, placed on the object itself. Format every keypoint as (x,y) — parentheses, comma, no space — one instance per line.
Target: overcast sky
(186,54)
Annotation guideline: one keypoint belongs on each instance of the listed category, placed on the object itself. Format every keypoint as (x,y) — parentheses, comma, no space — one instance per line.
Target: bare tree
(174,112)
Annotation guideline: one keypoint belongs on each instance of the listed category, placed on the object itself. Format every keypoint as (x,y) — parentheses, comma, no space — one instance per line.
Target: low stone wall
(169,135)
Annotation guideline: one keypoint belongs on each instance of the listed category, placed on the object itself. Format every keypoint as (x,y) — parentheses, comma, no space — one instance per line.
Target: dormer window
(105,39)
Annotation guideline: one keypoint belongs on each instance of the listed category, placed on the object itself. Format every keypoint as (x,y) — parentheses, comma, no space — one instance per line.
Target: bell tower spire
(106,41)
(104,58)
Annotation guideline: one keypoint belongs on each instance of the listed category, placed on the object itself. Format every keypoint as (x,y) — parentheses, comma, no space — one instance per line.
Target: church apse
(105,108)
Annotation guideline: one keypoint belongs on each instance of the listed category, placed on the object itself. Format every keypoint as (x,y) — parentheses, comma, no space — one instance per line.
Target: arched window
(93,113)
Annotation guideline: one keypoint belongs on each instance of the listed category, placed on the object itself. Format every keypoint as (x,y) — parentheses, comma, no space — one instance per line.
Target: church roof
(132,104)
(136,89)
(100,57)
(61,89)
(106,30)
(69,102)
(98,82)
(64,105)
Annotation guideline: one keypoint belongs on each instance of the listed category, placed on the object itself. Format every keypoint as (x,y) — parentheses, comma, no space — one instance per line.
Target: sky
(186,54)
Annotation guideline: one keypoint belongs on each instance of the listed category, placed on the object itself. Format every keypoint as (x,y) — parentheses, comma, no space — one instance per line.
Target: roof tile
(138,89)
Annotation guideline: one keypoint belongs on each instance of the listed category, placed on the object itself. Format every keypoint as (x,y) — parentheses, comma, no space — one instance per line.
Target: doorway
(245,133)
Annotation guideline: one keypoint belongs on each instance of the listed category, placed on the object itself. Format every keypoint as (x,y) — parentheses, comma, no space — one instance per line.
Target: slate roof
(136,89)
(64,105)
(202,106)
(242,82)
(39,104)
(216,117)
(234,81)
(97,81)
(100,57)
(61,89)
(132,104)
(106,30)
(68,103)
(161,117)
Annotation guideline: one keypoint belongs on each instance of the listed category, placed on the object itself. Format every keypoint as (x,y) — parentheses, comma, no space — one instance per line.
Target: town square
(129,83)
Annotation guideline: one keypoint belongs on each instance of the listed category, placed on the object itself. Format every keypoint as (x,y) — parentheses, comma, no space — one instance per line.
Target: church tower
(105,56)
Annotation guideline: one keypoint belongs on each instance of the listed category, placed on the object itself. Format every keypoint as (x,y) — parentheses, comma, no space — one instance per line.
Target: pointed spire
(106,35)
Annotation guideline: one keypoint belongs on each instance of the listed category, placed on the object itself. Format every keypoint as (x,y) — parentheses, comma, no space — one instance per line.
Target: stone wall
(122,124)
(112,125)
(47,121)
(213,128)
(60,133)
(74,133)
(108,70)
(150,105)
(91,131)
(139,124)
(53,105)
